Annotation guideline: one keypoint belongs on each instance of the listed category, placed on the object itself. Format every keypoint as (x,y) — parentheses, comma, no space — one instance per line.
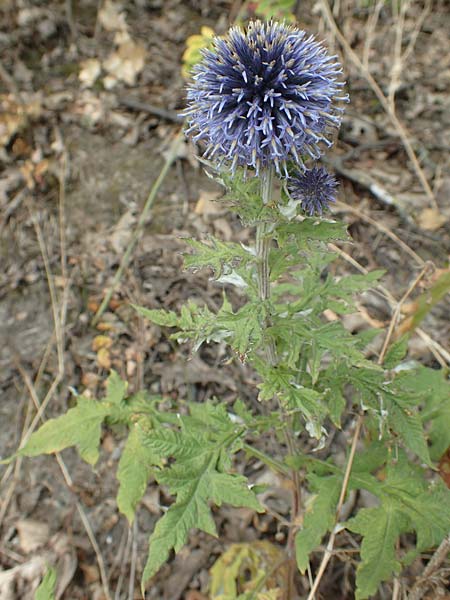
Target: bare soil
(76,165)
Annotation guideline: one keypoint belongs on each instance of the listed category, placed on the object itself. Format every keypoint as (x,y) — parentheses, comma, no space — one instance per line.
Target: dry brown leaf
(89,72)
(111,17)
(206,204)
(103,358)
(14,116)
(431,219)
(101,341)
(32,534)
(125,63)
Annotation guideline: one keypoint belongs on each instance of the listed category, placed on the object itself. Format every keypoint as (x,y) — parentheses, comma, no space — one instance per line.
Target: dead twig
(397,310)
(423,582)
(383,229)
(379,192)
(158,111)
(438,351)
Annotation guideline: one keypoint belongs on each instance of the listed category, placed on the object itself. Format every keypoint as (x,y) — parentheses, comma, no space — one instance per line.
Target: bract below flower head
(314,189)
(264,96)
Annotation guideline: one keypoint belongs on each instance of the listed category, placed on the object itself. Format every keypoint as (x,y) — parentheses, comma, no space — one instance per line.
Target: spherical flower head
(264,96)
(314,189)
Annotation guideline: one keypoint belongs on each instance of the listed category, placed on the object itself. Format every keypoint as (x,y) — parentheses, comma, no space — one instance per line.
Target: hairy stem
(263,241)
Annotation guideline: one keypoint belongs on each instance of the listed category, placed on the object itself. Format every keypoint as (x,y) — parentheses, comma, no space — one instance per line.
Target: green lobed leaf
(404,419)
(396,353)
(195,482)
(164,318)
(245,327)
(217,255)
(311,229)
(380,528)
(135,468)
(319,517)
(47,587)
(80,426)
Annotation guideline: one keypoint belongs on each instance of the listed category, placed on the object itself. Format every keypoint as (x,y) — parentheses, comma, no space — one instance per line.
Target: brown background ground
(81,160)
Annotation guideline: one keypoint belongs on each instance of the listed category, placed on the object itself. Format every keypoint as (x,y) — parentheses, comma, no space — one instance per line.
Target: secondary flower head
(264,96)
(314,189)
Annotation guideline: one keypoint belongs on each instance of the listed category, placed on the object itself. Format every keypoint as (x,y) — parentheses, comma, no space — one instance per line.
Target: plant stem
(263,241)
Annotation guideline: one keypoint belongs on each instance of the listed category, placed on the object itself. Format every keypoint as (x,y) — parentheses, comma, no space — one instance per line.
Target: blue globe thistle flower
(314,189)
(264,96)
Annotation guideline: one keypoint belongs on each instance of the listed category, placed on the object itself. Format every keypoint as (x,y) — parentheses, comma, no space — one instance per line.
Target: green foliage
(220,256)
(47,587)
(315,371)
(80,426)
(319,518)
(135,468)
(275,9)
(407,503)
(200,474)
(194,46)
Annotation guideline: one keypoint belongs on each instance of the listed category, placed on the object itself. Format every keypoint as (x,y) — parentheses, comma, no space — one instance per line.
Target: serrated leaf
(311,229)
(396,353)
(336,406)
(380,528)
(164,318)
(195,482)
(190,511)
(232,489)
(405,420)
(116,388)
(245,327)
(80,426)
(47,587)
(134,470)
(319,517)
(217,255)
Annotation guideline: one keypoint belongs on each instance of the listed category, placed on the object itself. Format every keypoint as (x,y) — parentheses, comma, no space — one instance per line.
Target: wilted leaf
(246,568)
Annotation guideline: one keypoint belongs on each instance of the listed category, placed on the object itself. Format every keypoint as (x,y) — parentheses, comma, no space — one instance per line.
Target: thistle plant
(263,104)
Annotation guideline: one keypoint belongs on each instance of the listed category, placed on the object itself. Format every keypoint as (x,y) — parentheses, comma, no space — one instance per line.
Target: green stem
(263,241)
(273,463)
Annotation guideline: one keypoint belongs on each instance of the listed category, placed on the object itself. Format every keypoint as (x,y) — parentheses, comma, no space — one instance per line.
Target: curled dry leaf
(32,534)
(125,63)
(14,116)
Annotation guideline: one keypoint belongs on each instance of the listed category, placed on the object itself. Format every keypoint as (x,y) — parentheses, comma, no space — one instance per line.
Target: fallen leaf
(101,341)
(207,205)
(126,62)
(431,219)
(103,358)
(111,17)
(32,534)
(89,72)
